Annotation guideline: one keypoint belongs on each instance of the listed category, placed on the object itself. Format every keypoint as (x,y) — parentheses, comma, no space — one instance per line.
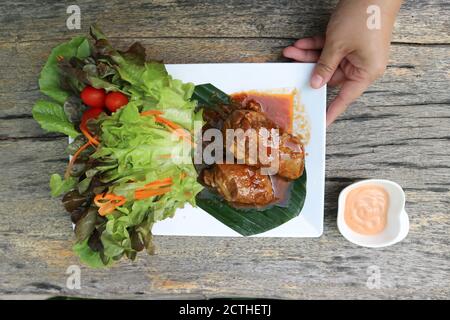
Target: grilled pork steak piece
(239,183)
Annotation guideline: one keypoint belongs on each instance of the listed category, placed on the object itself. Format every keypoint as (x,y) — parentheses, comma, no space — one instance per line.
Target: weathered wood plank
(418,21)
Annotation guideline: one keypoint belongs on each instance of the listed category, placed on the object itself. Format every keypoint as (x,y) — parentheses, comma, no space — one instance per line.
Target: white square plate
(236,77)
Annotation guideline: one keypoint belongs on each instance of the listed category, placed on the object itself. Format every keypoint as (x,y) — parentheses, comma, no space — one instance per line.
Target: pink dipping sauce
(366,209)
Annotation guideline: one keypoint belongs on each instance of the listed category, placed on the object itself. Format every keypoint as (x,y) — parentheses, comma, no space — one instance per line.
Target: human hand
(350,55)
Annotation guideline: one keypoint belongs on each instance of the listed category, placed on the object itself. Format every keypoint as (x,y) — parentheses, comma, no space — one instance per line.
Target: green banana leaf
(208,96)
(245,221)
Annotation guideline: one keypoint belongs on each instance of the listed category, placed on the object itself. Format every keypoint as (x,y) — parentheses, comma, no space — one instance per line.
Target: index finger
(350,91)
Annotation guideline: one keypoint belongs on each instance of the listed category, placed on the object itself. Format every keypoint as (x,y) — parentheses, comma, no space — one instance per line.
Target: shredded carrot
(106,209)
(151,113)
(157,183)
(88,136)
(168,123)
(165,156)
(74,158)
(183,175)
(154,188)
(98,200)
(144,193)
(112,202)
(175,128)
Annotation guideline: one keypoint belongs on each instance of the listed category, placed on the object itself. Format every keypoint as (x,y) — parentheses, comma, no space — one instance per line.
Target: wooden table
(399,130)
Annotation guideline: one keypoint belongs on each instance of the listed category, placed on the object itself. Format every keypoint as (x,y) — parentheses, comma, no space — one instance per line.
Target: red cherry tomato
(89,114)
(93,97)
(115,100)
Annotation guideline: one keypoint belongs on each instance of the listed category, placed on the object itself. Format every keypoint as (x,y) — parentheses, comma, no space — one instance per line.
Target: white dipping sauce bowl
(397,225)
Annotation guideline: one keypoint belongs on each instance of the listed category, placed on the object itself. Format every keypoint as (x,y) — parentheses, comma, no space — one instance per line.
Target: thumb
(326,66)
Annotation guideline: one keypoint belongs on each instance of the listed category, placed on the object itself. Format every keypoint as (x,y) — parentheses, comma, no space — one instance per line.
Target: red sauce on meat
(280,109)
(277,107)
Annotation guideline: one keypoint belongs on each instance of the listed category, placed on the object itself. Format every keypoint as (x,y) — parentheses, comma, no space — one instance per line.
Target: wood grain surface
(399,130)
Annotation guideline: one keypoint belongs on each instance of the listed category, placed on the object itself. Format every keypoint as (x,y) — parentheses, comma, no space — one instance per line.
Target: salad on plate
(118,181)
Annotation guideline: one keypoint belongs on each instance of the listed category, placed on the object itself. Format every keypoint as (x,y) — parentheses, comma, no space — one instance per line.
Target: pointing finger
(349,92)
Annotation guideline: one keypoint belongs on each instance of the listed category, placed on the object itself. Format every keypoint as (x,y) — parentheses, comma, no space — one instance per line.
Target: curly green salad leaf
(133,149)
(51,117)
(90,257)
(59,186)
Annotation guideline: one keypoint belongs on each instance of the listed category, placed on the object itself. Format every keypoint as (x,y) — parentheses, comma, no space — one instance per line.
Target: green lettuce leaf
(49,79)
(90,257)
(115,245)
(103,84)
(51,117)
(58,186)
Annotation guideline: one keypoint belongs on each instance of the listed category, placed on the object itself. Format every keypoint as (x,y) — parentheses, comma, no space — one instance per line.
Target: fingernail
(316,81)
